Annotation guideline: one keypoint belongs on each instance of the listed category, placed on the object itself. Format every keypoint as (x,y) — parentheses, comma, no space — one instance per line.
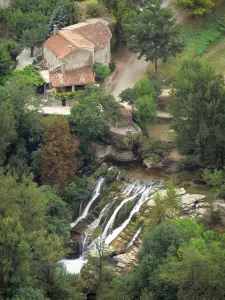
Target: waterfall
(133,187)
(144,192)
(95,195)
(134,238)
(141,192)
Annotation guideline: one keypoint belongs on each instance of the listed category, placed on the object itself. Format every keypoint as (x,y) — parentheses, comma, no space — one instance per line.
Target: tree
(5,62)
(7,128)
(29,293)
(144,110)
(195,7)
(34,37)
(30,75)
(93,113)
(165,205)
(216,180)
(101,71)
(153,34)
(57,160)
(197,270)
(26,124)
(15,257)
(120,9)
(198,111)
(59,18)
(22,200)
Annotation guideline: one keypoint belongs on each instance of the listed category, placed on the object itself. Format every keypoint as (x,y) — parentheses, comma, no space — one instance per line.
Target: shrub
(150,147)
(112,66)
(94,10)
(188,162)
(101,71)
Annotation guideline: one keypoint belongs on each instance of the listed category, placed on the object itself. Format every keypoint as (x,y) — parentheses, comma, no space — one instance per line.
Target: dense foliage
(153,33)
(179,260)
(196,8)
(93,114)
(198,111)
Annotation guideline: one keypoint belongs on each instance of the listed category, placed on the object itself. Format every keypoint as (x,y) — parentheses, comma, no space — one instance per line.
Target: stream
(138,191)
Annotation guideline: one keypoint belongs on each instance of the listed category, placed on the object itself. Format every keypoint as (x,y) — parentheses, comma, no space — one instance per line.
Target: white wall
(78,59)
(103,55)
(4,3)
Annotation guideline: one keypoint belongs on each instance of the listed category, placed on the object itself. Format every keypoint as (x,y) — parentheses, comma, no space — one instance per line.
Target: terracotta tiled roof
(125,112)
(82,35)
(95,32)
(58,45)
(74,77)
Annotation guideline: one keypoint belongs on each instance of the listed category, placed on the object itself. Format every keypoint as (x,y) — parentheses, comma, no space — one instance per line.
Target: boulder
(189,201)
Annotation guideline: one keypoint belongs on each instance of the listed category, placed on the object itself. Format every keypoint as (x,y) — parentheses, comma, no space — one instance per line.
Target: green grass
(199,39)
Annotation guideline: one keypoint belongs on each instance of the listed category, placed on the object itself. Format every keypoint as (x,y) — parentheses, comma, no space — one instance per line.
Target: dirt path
(129,71)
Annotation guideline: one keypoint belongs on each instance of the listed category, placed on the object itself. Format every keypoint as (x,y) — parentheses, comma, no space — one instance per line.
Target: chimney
(63,68)
(70,48)
(55,29)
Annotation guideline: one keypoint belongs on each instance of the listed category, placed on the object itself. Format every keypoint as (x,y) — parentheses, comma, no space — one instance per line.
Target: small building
(71,52)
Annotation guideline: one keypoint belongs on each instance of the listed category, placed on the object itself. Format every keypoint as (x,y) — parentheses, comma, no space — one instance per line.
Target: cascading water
(95,195)
(133,187)
(143,193)
(134,238)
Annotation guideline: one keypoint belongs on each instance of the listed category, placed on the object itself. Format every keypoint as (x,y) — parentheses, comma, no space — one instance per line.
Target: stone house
(71,52)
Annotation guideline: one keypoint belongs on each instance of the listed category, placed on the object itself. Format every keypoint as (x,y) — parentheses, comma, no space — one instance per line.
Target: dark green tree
(198,111)
(5,62)
(153,34)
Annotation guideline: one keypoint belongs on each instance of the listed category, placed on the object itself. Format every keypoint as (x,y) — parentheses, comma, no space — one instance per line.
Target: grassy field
(202,37)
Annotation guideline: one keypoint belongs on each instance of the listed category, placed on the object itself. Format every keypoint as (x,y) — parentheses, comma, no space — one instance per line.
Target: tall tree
(15,257)
(93,113)
(57,159)
(153,34)
(198,111)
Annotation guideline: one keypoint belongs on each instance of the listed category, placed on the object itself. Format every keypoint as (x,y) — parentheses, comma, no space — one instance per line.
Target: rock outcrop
(101,152)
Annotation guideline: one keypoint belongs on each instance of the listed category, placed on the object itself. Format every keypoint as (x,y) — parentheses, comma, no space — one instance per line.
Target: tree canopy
(198,111)
(153,33)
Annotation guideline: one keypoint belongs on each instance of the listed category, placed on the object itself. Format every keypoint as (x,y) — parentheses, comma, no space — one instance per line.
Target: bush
(94,10)
(101,71)
(188,162)
(112,66)
(150,147)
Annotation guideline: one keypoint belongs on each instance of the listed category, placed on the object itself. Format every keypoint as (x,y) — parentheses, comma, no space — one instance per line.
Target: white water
(145,191)
(134,237)
(73,266)
(93,198)
(133,187)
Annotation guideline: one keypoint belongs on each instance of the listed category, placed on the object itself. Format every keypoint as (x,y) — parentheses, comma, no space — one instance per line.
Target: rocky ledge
(192,205)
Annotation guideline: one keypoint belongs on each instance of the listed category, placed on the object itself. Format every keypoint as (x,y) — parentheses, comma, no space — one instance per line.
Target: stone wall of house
(4,3)
(103,55)
(78,59)
(52,60)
